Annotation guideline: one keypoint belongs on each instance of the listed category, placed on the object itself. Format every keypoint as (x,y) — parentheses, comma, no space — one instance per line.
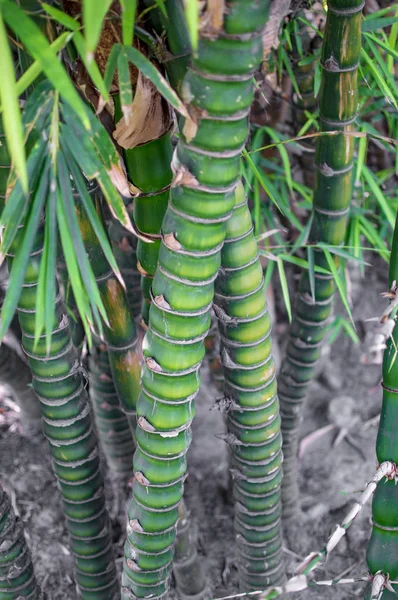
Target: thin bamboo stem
(332,195)
(253,416)
(383,544)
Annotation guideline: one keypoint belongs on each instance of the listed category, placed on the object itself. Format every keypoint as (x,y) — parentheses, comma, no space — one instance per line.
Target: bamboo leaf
(129,8)
(93,216)
(125,89)
(78,248)
(285,288)
(73,270)
(111,66)
(12,121)
(94,12)
(341,253)
(311,271)
(374,24)
(300,262)
(17,204)
(338,282)
(29,76)
(51,236)
(40,49)
(378,194)
(261,179)
(20,262)
(191,10)
(151,72)
(61,17)
(94,170)
(284,156)
(46,287)
(378,78)
(269,271)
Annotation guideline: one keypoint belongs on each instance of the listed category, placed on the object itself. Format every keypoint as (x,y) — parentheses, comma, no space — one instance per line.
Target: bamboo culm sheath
(252,404)
(219,89)
(332,195)
(67,424)
(17,578)
(383,545)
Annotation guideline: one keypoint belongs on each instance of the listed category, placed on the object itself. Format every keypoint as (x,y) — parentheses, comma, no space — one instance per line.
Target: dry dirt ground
(330,474)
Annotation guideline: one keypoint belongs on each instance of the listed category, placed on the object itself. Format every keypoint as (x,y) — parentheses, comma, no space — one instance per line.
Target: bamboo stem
(59,384)
(17,577)
(383,544)
(332,195)
(253,418)
(219,91)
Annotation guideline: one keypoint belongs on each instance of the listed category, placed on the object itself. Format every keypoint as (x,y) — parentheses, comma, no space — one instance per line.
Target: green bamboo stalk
(113,429)
(149,171)
(306,101)
(219,89)
(17,577)
(332,194)
(59,384)
(252,404)
(124,245)
(383,545)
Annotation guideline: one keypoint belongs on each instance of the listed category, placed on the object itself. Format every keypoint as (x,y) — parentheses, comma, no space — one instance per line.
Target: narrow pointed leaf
(21,259)
(40,49)
(12,121)
(339,283)
(85,268)
(73,270)
(94,12)
(376,191)
(151,72)
(129,8)
(111,65)
(125,89)
(93,216)
(285,288)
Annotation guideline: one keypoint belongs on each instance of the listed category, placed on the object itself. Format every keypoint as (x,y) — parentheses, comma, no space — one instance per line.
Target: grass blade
(21,259)
(339,283)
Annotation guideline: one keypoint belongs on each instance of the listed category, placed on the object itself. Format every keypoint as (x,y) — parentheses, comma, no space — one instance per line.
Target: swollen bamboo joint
(59,384)
(253,421)
(218,90)
(17,578)
(332,195)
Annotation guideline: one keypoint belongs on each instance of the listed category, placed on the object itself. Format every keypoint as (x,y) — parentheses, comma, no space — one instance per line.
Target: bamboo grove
(126,219)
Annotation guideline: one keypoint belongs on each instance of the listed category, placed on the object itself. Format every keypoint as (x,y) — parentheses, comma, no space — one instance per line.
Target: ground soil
(330,474)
